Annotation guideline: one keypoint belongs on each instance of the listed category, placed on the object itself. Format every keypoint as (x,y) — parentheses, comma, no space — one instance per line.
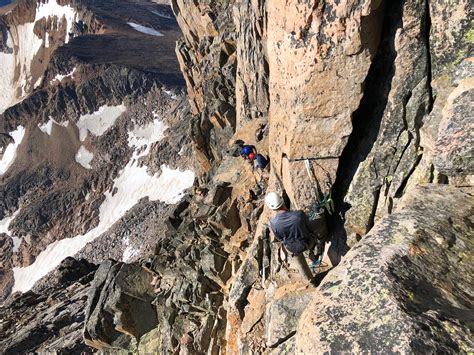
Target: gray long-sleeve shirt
(291,227)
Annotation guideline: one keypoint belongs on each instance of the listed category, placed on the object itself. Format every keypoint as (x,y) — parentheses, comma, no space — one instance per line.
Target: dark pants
(299,260)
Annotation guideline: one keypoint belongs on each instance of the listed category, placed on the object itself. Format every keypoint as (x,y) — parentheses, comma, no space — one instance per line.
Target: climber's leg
(299,262)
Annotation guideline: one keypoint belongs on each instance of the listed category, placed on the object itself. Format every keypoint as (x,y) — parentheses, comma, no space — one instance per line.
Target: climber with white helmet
(293,229)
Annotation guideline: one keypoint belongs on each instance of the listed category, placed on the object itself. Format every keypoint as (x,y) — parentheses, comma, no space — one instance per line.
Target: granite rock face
(453,148)
(363,103)
(396,106)
(208,61)
(405,286)
(319,56)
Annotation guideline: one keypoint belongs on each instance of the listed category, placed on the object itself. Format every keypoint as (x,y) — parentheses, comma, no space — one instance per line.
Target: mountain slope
(70,164)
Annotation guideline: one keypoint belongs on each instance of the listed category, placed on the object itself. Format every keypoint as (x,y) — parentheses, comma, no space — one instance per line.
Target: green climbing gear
(326,203)
(322,203)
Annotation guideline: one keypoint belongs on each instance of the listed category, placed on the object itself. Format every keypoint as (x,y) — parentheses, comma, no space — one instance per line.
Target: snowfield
(84,157)
(100,121)
(144,29)
(9,154)
(24,45)
(7,71)
(132,184)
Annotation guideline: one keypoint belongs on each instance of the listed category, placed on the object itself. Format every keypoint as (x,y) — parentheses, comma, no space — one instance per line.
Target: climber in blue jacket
(247,150)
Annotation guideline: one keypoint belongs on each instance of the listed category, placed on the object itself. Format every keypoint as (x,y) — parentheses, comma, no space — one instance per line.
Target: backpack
(261,161)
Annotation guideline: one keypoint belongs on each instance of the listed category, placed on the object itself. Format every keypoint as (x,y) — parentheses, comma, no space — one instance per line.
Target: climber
(293,229)
(259,160)
(247,150)
(260,168)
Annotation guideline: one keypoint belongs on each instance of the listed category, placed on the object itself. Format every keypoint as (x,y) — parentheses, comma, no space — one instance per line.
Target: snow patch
(9,154)
(7,69)
(162,14)
(27,45)
(84,157)
(47,127)
(170,94)
(5,223)
(144,29)
(146,135)
(60,77)
(129,251)
(100,121)
(38,82)
(133,184)
(5,228)
(16,243)
(52,9)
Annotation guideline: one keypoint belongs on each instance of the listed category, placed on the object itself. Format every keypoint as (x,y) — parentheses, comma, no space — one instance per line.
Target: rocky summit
(130,222)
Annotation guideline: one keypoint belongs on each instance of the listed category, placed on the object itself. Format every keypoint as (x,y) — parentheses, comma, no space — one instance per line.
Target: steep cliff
(367,102)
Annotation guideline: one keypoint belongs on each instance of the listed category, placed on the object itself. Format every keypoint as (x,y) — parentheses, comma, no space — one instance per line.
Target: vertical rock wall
(397,105)
(251,86)
(319,55)
(208,61)
(223,60)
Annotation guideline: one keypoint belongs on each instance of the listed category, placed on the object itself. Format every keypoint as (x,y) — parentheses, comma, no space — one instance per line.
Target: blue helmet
(246,150)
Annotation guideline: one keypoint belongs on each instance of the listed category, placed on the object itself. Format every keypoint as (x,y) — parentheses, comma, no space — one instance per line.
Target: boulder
(283,313)
(70,270)
(119,309)
(405,287)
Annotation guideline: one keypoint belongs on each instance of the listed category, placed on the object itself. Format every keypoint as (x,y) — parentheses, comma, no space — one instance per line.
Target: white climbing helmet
(273,200)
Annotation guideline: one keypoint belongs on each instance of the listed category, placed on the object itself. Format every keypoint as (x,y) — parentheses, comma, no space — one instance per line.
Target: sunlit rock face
(363,103)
